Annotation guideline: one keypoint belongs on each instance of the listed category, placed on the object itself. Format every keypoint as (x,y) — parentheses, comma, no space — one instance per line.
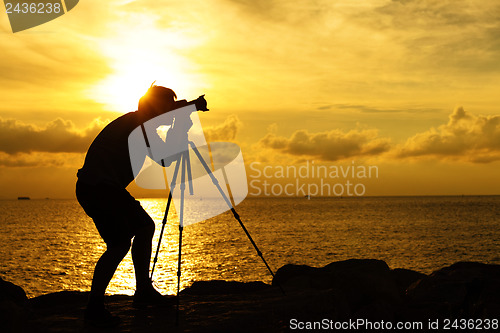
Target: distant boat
(23,198)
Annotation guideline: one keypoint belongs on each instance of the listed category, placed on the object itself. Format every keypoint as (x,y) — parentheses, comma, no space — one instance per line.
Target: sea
(52,245)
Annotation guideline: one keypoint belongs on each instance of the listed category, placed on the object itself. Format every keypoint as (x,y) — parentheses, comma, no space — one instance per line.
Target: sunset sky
(409,86)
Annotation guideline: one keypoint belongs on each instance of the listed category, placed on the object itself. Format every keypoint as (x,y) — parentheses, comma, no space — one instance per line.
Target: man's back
(108,159)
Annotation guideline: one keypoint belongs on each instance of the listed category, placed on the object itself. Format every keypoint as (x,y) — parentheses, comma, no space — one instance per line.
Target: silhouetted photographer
(119,218)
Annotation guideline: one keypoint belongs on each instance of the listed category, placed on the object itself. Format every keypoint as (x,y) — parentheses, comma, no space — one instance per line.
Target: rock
(341,291)
(221,287)
(12,293)
(287,274)
(13,311)
(368,277)
(405,278)
(462,290)
(364,288)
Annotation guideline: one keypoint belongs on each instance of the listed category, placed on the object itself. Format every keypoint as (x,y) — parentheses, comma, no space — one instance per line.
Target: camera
(200,103)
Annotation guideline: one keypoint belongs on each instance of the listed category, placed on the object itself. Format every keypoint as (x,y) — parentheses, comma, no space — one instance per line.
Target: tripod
(183,162)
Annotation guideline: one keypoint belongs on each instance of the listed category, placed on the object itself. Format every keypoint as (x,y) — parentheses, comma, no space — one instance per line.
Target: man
(119,218)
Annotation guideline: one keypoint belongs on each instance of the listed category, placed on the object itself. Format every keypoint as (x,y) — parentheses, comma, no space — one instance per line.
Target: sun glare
(141,56)
(122,90)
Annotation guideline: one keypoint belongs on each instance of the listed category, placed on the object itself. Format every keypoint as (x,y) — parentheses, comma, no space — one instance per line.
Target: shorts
(116,214)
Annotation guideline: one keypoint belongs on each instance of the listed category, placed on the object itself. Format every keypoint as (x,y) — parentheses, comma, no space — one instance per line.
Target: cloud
(408,14)
(370,109)
(225,132)
(18,160)
(41,160)
(51,60)
(19,141)
(465,136)
(288,12)
(58,136)
(449,33)
(329,146)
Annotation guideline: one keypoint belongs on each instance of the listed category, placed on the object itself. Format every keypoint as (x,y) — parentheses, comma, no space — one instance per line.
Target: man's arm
(176,140)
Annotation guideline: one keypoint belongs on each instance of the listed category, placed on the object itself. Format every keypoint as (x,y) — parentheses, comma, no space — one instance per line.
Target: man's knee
(147,229)
(119,249)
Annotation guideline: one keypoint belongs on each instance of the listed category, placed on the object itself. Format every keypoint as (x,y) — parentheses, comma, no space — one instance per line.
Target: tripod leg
(179,276)
(172,186)
(188,170)
(181,227)
(235,214)
(164,222)
(161,233)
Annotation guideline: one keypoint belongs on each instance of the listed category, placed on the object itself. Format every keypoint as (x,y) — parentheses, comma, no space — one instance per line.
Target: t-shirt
(107,160)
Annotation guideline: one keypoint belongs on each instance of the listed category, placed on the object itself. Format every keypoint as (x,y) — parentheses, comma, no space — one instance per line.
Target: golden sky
(410,86)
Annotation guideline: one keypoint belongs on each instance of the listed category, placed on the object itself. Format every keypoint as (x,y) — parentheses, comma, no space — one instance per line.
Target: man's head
(157,100)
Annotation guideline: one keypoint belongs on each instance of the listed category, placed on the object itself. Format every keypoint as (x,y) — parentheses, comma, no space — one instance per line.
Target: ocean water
(51,245)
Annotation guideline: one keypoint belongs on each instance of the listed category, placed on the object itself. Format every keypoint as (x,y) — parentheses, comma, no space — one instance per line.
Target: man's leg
(104,271)
(141,254)
(145,293)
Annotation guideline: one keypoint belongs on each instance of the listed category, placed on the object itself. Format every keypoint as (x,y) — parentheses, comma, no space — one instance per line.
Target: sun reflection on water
(201,255)
(165,275)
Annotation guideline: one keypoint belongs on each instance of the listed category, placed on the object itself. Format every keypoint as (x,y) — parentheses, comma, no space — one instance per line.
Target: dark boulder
(361,287)
(341,291)
(13,312)
(298,276)
(405,278)
(462,290)
(221,287)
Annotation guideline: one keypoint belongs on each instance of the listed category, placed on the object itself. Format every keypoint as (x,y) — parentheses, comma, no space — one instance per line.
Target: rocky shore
(339,293)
